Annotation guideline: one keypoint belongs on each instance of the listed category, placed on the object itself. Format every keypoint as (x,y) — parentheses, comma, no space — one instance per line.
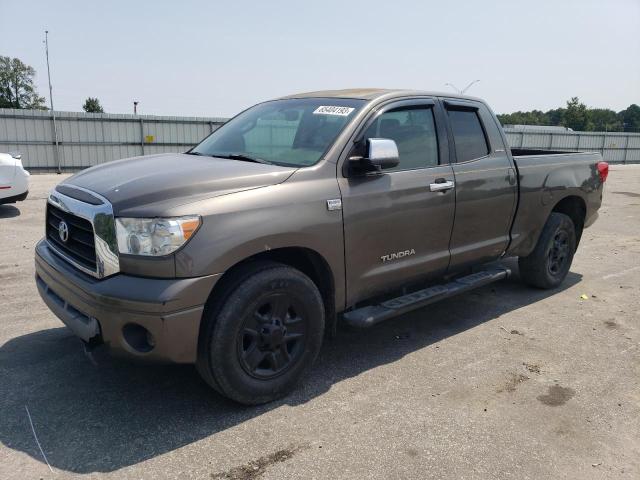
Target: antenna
(53,112)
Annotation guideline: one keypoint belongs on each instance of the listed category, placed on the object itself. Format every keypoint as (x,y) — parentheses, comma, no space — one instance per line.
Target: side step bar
(372,314)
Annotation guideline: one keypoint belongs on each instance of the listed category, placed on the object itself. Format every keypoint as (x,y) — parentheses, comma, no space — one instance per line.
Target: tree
(579,117)
(92,105)
(576,116)
(535,117)
(604,120)
(630,118)
(16,85)
(555,116)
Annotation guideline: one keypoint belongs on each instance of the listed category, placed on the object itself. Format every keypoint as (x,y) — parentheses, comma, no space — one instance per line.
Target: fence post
(142,135)
(626,150)
(211,127)
(56,152)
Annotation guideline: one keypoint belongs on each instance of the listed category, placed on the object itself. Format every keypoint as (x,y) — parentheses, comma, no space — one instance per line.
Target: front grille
(80,245)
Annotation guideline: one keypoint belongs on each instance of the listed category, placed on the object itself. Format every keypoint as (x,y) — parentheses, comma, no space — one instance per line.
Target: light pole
(461,92)
(135,107)
(456,89)
(53,112)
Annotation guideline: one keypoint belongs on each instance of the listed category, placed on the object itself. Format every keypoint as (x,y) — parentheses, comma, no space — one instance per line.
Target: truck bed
(545,179)
(526,152)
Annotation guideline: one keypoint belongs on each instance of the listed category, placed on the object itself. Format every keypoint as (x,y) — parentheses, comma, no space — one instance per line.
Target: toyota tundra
(243,253)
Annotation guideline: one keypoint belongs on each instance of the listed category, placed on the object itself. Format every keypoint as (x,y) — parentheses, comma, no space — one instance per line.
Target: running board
(372,314)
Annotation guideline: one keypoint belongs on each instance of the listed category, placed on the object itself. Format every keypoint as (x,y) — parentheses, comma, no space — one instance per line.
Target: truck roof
(374,93)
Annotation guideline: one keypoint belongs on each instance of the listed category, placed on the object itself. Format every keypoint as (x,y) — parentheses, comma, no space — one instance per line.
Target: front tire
(549,263)
(264,334)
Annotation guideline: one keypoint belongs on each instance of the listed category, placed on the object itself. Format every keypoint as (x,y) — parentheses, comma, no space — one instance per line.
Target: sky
(216,58)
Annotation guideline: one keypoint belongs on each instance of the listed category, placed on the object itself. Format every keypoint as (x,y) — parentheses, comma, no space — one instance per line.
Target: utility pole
(53,112)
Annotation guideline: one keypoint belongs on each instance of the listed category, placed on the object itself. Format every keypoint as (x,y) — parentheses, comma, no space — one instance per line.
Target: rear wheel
(549,263)
(263,336)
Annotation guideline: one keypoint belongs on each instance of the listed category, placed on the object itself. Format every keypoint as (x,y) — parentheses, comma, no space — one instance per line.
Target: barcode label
(333,110)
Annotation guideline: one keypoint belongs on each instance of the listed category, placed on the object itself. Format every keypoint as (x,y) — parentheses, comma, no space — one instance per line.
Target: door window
(468,135)
(414,131)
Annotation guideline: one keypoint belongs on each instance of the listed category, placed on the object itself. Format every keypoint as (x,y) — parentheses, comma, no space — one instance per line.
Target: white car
(14,179)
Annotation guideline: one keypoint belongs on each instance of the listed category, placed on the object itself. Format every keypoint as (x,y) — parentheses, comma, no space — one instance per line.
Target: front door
(398,222)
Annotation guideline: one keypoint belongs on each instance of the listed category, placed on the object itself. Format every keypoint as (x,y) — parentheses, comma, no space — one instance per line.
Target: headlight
(154,236)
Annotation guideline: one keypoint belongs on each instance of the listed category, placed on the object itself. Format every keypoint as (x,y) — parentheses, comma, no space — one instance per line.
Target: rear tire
(262,336)
(549,263)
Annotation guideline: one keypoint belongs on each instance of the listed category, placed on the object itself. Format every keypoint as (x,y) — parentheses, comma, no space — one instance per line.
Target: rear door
(486,187)
(396,228)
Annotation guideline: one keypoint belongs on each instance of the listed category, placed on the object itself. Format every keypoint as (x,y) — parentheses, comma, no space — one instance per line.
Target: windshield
(295,132)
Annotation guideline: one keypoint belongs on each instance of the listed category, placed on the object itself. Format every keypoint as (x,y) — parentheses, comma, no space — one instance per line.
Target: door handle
(441,186)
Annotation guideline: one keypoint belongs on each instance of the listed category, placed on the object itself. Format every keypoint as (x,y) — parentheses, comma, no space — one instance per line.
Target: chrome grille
(87,237)
(80,244)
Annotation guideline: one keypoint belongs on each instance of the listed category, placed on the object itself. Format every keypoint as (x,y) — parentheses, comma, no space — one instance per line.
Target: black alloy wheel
(272,337)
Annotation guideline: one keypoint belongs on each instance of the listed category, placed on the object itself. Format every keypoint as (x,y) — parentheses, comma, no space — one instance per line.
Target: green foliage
(579,117)
(16,85)
(576,117)
(631,118)
(535,117)
(92,105)
(605,120)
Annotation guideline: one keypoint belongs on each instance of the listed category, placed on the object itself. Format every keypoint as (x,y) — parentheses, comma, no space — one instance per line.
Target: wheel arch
(576,209)
(304,259)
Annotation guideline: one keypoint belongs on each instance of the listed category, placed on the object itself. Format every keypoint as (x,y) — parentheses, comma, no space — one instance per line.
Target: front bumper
(109,310)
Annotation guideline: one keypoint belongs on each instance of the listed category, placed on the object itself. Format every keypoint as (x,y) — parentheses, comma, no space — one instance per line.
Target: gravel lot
(504,382)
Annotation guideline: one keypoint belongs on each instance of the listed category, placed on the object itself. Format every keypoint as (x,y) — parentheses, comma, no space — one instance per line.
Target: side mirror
(16,155)
(381,153)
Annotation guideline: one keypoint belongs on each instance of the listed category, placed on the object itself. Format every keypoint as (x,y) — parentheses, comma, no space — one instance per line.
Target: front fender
(238,226)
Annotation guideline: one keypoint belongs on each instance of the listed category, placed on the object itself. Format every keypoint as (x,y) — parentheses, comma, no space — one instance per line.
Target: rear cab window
(468,134)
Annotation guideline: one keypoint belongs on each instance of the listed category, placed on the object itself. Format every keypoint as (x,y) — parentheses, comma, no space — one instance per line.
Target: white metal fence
(87,139)
(615,147)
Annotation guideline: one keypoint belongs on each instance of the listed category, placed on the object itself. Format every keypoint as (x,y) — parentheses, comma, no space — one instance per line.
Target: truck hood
(155,183)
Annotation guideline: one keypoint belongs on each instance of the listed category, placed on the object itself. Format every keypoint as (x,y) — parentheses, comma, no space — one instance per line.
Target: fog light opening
(138,337)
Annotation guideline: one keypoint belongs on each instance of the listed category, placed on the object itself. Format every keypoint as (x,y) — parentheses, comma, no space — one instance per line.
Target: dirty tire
(261,334)
(549,263)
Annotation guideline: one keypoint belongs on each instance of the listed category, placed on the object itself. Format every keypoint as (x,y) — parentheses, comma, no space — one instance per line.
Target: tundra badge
(397,255)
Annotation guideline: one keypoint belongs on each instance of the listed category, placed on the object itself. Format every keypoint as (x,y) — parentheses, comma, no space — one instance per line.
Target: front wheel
(264,335)
(548,265)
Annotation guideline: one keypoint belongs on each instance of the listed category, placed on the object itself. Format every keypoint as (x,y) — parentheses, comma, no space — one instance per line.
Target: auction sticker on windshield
(333,110)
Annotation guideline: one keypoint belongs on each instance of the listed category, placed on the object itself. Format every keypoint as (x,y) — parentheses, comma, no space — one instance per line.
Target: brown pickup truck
(352,206)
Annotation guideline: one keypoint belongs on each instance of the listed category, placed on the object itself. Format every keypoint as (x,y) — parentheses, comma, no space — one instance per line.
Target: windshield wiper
(244,157)
(191,152)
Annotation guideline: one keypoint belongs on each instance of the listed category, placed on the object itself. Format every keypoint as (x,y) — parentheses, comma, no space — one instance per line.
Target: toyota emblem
(63,231)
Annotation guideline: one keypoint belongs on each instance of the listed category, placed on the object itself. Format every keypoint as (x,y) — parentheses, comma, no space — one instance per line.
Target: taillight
(603,170)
